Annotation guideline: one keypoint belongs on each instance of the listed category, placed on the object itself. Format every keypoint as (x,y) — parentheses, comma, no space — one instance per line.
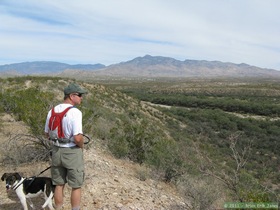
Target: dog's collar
(19,183)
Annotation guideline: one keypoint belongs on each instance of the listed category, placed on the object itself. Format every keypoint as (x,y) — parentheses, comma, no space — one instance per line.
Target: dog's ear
(4,176)
(18,177)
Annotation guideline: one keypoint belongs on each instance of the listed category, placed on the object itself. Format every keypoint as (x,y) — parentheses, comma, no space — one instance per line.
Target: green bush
(132,140)
(30,106)
(165,157)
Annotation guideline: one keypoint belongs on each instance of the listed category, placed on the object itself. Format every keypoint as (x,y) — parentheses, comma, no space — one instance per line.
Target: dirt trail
(110,183)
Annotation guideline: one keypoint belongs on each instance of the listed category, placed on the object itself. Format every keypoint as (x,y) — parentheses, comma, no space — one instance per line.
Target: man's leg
(58,196)
(76,198)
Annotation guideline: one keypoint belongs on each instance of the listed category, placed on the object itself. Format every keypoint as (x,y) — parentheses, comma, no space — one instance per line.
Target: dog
(30,188)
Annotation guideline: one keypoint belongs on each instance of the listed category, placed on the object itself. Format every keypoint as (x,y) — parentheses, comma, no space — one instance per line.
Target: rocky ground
(110,183)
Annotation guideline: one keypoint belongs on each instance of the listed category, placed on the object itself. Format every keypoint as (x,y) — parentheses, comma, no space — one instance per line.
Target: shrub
(165,158)
(29,105)
(22,148)
(200,193)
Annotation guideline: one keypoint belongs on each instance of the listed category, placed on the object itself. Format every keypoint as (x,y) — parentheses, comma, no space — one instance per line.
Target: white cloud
(112,31)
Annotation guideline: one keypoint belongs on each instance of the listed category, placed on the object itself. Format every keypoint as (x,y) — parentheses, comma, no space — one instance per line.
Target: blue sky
(113,31)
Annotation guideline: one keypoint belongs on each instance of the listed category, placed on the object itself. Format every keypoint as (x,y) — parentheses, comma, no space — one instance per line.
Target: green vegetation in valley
(213,111)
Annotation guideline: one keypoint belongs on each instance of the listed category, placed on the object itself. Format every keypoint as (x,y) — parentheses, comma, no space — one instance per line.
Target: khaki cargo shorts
(67,166)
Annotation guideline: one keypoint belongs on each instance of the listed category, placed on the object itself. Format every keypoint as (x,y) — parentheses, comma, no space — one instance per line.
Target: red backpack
(55,124)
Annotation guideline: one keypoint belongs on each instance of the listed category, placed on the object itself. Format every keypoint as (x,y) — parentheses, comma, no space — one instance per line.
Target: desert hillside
(163,144)
(110,183)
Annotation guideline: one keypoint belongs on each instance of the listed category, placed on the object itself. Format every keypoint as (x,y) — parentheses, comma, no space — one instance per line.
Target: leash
(87,139)
(43,171)
(33,177)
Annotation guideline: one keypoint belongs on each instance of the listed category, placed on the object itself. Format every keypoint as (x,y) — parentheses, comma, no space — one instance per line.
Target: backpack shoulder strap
(63,112)
(66,110)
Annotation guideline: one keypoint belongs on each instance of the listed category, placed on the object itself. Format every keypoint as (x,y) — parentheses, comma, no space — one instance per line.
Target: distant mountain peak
(142,67)
(149,60)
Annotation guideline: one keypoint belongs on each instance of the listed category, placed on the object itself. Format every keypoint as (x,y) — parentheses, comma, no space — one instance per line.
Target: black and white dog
(30,188)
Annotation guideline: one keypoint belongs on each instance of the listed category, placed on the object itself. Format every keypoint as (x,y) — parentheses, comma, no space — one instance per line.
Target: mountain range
(146,67)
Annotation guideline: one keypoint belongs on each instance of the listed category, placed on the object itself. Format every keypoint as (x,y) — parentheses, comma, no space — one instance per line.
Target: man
(67,157)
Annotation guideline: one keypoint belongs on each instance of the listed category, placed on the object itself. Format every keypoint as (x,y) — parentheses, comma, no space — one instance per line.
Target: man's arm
(79,140)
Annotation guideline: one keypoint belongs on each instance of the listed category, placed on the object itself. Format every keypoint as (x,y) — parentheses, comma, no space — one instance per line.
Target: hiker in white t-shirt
(67,152)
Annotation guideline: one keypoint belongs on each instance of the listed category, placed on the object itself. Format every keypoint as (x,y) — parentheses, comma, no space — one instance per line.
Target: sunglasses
(78,94)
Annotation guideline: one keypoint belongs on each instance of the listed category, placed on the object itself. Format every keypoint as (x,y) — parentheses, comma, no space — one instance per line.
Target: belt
(63,145)
(62,140)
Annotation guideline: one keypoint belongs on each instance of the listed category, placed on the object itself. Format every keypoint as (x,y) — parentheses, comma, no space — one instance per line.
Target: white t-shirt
(71,123)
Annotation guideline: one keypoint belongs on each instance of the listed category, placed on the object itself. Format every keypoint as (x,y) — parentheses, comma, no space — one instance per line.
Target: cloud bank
(112,31)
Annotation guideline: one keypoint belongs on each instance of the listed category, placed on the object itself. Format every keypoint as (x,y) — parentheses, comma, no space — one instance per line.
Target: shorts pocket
(76,178)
